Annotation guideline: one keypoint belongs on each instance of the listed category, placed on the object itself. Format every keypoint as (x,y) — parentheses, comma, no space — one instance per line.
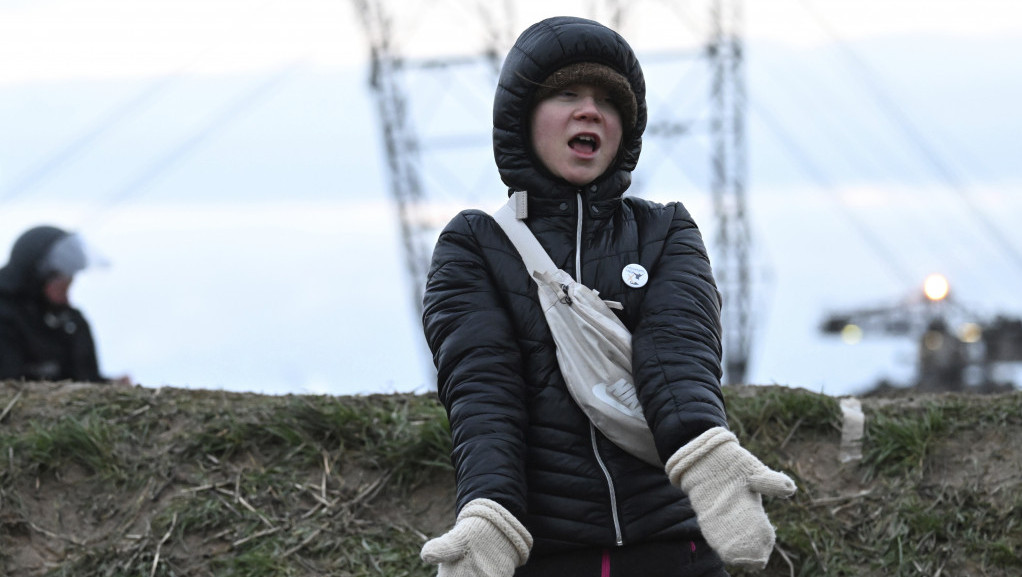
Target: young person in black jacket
(540,490)
(42,336)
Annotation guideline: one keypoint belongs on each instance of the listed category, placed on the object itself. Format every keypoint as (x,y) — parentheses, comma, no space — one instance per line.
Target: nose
(587,109)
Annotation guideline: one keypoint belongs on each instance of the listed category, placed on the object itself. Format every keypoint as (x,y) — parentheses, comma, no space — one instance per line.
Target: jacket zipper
(592,428)
(610,486)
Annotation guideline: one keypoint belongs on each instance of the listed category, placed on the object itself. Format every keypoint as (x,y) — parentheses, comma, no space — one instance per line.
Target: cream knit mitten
(486,541)
(725,483)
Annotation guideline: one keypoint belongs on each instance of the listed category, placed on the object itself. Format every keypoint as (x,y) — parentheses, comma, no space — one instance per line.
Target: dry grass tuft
(169,482)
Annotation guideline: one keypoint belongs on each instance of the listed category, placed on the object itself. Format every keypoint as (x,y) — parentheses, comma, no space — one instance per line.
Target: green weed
(231,484)
(89,441)
(899,444)
(773,416)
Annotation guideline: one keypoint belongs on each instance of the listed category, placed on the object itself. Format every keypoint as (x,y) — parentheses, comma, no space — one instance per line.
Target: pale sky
(245,211)
(62,39)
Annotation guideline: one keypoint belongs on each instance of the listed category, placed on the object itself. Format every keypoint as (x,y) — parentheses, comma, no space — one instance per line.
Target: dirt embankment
(133,481)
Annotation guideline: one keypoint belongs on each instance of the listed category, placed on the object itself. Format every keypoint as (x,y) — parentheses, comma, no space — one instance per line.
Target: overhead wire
(895,266)
(868,152)
(918,141)
(64,154)
(230,112)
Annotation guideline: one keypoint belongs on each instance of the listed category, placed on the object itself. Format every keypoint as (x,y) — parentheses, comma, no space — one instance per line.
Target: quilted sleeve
(676,345)
(478,362)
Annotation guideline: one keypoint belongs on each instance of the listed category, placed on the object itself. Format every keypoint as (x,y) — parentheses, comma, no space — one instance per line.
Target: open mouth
(586,143)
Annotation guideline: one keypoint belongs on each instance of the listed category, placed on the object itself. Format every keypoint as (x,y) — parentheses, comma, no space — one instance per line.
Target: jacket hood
(22,276)
(542,49)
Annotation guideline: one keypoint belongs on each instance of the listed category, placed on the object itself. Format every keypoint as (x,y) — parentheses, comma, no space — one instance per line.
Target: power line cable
(223,118)
(870,153)
(894,265)
(65,154)
(69,151)
(916,138)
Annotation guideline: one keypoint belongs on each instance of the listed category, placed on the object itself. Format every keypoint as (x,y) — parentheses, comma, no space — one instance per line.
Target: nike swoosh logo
(621,396)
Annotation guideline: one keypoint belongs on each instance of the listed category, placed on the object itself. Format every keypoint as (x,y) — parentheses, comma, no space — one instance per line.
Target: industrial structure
(957,349)
(396,79)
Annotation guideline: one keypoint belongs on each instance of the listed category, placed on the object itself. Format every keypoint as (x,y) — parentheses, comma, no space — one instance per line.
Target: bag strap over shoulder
(593,345)
(535,257)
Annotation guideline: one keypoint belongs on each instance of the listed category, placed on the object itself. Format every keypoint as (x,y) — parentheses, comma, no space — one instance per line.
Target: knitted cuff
(683,459)
(517,535)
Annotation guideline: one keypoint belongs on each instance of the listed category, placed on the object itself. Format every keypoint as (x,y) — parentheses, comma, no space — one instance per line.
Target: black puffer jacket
(518,438)
(38,340)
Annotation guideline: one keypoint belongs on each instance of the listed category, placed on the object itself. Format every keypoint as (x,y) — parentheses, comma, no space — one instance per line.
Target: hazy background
(226,158)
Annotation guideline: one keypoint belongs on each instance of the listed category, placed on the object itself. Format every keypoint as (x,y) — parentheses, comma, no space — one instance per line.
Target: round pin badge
(635,275)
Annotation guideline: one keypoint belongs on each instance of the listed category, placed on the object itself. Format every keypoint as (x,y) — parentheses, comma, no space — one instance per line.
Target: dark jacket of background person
(40,340)
(518,437)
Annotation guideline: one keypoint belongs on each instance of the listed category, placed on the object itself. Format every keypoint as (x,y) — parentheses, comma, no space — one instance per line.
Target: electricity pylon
(406,146)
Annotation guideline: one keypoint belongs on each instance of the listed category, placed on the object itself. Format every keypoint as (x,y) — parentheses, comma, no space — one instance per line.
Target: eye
(604,96)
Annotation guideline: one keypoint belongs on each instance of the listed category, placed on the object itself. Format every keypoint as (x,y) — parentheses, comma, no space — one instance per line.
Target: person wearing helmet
(540,490)
(42,336)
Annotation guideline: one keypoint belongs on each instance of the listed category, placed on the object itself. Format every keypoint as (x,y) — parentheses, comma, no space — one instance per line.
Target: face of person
(56,290)
(576,133)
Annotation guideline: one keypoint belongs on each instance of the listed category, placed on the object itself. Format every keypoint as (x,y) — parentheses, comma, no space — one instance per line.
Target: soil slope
(101,480)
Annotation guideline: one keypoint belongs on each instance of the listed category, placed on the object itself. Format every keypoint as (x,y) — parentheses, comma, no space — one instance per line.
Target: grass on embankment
(142,482)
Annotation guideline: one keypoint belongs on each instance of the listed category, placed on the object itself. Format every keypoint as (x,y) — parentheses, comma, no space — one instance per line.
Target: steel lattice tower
(726,132)
(732,243)
(399,139)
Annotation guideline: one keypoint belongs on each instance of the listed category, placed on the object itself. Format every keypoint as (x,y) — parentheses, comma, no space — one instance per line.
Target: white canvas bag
(594,349)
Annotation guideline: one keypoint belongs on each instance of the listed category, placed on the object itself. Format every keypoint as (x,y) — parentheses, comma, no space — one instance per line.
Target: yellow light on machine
(851,334)
(970,333)
(936,287)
